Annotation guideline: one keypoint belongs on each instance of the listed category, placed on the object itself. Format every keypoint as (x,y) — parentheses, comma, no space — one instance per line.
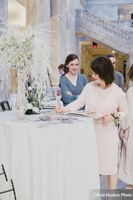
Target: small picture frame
(5,106)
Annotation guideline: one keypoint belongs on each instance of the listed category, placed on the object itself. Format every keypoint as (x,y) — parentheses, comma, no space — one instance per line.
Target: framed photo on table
(4,105)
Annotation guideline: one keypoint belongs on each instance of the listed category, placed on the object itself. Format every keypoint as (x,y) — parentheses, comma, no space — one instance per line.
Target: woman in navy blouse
(72,82)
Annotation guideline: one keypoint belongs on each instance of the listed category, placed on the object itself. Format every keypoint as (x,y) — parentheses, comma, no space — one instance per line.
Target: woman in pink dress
(126,161)
(107,100)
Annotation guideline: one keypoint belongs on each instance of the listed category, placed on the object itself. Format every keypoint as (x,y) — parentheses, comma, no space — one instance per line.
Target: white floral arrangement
(29,53)
(18,53)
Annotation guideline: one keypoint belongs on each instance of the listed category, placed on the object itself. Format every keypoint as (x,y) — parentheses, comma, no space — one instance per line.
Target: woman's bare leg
(112,182)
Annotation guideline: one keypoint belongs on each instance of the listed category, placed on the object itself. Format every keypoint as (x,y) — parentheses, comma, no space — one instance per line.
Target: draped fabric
(49,162)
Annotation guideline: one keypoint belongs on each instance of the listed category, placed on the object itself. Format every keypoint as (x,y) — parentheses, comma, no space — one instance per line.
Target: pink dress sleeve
(78,103)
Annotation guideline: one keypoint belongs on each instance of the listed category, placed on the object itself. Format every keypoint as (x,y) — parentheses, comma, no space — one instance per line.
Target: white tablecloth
(54,162)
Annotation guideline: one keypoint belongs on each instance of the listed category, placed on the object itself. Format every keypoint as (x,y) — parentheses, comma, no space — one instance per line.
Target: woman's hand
(59,109)
(107,119)
(69,93)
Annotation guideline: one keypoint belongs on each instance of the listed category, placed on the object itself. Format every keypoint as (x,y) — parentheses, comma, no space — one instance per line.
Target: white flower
(29,106)
(35,109)
(29,88)
(19,54)
(29,53)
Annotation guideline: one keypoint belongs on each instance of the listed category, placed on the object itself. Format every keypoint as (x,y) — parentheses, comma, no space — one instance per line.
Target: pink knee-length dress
(126,161)
(103,101)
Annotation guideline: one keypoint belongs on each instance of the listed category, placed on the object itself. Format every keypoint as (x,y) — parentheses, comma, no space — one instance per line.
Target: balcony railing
(127,24)
(116,28)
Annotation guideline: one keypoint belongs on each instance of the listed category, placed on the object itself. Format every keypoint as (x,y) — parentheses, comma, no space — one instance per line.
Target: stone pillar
(73,40)
(3,21)
(3,13)
(58,28)
(29,12)
(38,12)
(71,43)
(71,20)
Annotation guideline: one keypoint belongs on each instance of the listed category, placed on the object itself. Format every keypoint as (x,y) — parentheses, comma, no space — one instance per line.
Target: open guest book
(85,114)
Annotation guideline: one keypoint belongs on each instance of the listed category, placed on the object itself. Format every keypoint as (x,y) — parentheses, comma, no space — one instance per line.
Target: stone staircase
(115,34)
(22,2)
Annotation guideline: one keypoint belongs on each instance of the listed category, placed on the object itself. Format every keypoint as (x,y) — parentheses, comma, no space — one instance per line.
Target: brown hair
(104,68)
(69,58)
(130,73)
(62,66)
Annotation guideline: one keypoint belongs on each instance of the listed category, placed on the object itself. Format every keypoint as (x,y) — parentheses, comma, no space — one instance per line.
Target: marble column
(71,20)
(70,27)
(3,13)
(73,40)
(29,12)
(38,12)
(71,33)
(58,28)
(3,24)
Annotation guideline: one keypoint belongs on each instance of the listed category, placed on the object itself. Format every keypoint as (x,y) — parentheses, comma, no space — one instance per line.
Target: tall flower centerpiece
(29,53)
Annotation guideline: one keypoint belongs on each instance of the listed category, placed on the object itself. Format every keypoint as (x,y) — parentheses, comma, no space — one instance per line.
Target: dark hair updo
(104,68)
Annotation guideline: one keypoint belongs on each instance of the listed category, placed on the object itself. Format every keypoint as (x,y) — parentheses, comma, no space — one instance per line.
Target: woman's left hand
(69,93)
